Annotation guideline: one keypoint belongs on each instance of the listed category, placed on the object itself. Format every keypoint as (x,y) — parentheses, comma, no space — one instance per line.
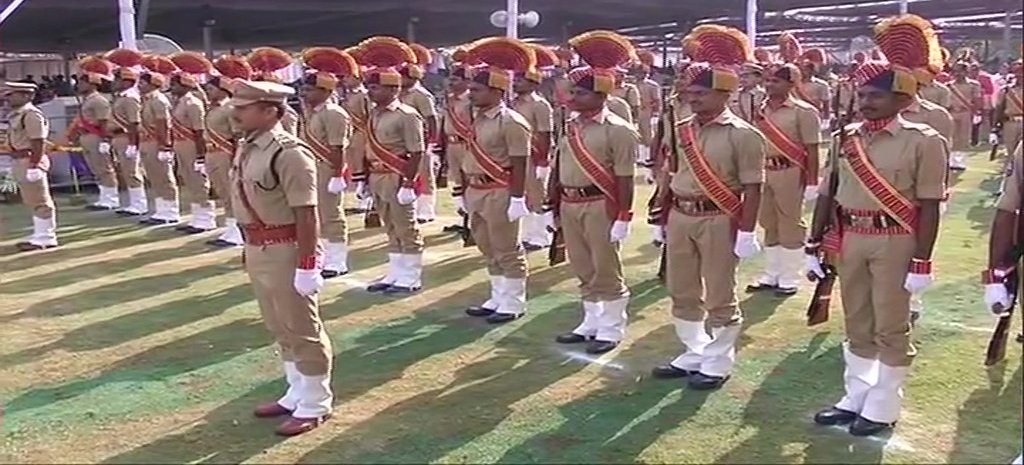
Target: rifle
(996,350)
(818,310)
(371,220)
(465,233)
(836,104)
(998,117)
(661,201)
(442,156)
(556,253)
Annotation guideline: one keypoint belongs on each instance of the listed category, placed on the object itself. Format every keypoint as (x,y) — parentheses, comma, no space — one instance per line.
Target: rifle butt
(372,220)
(556,253)
(821,302)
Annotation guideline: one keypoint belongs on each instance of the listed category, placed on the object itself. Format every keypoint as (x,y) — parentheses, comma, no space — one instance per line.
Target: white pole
(10,10)
(512,23)
(903,7)
(752,22)
(126,20)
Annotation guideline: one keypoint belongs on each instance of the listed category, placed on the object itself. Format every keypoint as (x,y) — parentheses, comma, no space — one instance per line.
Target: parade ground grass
(132,345)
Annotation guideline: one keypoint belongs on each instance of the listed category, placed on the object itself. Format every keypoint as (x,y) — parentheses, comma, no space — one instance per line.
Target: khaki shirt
(971,90)
(219,121)
(189,112)
(681,111)
(816,90)
(95,108)
(621,108)
(609,138)
(462,108)
(924,112)
(1010,199)
(798,120)
(26,124)
(747,101)
(937,93)
(420,99)
(253,177)
(536,110)
(503,134)
(327,124)
(155,107)
(650,97)
(912,157)
(630,93)
(357,105)
(290,120)
(127,109)
(1012,109)
(398,127)
(733,148)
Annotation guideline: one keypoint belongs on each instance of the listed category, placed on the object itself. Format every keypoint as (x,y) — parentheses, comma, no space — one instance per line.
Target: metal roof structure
(89,25)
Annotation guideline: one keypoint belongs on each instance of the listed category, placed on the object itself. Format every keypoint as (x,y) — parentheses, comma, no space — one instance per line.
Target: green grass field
(132,345)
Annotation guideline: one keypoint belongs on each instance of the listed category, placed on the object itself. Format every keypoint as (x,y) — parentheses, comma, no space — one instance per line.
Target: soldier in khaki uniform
(395,147)
(419,98)
(458,113)
(891,177)
(595,203)
(495,172)
(327,130)
(156,150)
(713,192)
(538,113)
(357,104)
(792,130)
(222,135)
(1009,112)
(266,62)
(27,136)
(965,104)
(930,89)
(813,89)
(746,102)
(649,93)
(90,131)
(274,184)
(188,128)
(123,127)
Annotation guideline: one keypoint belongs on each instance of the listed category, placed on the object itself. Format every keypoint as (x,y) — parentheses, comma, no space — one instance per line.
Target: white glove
(620,231)
(976,119)
(746,244)
(813,265)
(917,283)
(104,148)
(131,152)
(308,282)
(336,185)
(165,156)
(542,172)
(199,167)
(517,209)
(826,124)
(460,205)
(993,139)
(362,193)
(995,294)
(34,175)
(810,193)
(406,196)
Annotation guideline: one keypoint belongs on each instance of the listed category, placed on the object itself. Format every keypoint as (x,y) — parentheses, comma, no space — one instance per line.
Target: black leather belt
(571,193)
(878,220)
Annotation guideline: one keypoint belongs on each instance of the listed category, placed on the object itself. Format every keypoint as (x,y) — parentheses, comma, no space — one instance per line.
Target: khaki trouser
(1012,131)
(35,195)
(102,166)
(218,168)
(592,255)
(428,172)
(131,170)
(333,226)
(496,237)
(702,268)
(781,212)
(159,174)
(403,233)
(644,126)
(961,131)
(355,153)
(876,306)
(197,186)
(294,320)
(456,153)
(536,188)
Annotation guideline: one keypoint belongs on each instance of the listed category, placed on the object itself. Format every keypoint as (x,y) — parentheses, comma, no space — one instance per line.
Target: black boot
(834,416)
(669,371)
(479,311)
(864,427)
(598,346)
(499,318)
(571,338)
(702,382)
(760,287)
(378,287)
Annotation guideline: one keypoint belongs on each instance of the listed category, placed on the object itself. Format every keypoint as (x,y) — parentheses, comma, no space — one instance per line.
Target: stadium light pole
(126,21)
(904,6)
(752,22)
(512,23)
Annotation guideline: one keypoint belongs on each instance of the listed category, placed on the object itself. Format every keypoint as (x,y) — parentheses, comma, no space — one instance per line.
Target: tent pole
(10,10)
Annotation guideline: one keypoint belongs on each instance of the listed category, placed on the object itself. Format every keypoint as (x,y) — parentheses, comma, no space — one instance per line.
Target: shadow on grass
(27,261)
(989,426)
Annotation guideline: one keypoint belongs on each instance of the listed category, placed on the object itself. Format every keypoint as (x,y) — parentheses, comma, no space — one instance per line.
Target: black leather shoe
(192,230)
(396,290)
(702,382)
(184,227)
(479,311)
(834,416)
(127,213)
(155,222)
(759,287)
(378,287)
(864,427)
(571,338)
(532,247)
(328,274)
(598,346)
(98,208)
(668,371)
(30,247)
(424,220)
(786,291)
(499,318)
(354,211)
(221,243)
